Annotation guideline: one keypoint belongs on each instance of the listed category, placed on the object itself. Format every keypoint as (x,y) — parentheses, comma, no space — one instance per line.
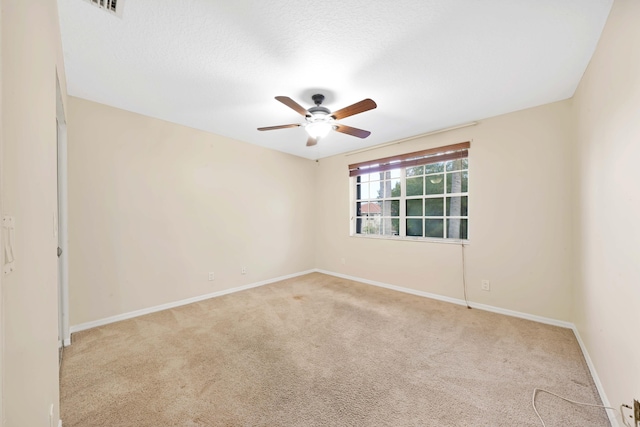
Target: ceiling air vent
(112,6)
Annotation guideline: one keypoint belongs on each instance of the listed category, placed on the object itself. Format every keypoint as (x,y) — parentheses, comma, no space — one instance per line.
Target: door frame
(1,243)
(63,224)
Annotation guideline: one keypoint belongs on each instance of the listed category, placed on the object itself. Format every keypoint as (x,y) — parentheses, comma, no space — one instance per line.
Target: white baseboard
(594,374)
(142,312)
(512,313)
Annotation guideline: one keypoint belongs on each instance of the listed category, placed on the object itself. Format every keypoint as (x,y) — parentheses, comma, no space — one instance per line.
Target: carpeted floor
(322,351)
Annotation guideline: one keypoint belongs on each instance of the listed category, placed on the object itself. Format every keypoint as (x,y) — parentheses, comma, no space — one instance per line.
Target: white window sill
(413,239)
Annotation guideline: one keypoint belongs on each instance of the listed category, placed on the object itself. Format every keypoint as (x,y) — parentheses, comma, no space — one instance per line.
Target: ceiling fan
(320,120)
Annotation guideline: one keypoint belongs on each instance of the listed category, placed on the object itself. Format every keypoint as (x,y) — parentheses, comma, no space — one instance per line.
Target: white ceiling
(216,65)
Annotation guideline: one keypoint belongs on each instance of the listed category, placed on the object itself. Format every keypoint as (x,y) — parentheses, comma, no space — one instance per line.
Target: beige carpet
(322,351)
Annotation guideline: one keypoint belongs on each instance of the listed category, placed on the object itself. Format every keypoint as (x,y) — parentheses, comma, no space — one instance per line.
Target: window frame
(402,163)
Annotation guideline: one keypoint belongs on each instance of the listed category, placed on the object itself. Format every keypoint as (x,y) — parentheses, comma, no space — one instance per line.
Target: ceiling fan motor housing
(318,112)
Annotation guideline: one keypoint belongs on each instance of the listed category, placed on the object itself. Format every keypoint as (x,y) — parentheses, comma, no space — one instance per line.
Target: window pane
(434,167)
(418,170)
(388,187)
(376,189)
(396,190)
(358,209)
(433,228)
(414,207)
(434,207)
(415,186)
(358,225)
(390,208)
(395,225)
(414,227)
(458,164)
(389,226)
(370,225)
(435,178)
(457,228)
(370,177)
(364,191)
(457,206)
(395,173)
(435,184)
(458,182)
(375,208)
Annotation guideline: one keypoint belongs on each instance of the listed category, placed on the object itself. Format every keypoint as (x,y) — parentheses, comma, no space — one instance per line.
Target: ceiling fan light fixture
(318,129)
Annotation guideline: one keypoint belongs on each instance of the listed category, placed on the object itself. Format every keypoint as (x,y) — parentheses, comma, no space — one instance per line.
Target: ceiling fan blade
(280,127)
(358,107)
(360,133)
(292,104)
(311,141)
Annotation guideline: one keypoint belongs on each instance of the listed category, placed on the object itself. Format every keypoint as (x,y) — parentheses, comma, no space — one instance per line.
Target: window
(416,195)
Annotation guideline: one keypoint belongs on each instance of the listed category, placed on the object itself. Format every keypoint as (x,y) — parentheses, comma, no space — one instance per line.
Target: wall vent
(112,6)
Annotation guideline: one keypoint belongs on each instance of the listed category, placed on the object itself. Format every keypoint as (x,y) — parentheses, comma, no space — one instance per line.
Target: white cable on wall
(464,276)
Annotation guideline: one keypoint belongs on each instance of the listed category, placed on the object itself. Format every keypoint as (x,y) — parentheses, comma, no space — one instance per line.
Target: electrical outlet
(243,270)
(211,276)
(486,285)
(636,412)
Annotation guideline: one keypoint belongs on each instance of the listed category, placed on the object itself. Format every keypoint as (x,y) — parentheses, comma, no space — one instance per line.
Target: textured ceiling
(216,65)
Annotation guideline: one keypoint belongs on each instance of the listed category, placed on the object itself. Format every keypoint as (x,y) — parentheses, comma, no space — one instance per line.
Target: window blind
(417,158)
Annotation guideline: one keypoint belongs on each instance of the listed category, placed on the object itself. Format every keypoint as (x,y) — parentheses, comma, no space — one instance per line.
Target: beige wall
(154,206)
(31,55)
(135,180)
(520,223)
(607,108)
